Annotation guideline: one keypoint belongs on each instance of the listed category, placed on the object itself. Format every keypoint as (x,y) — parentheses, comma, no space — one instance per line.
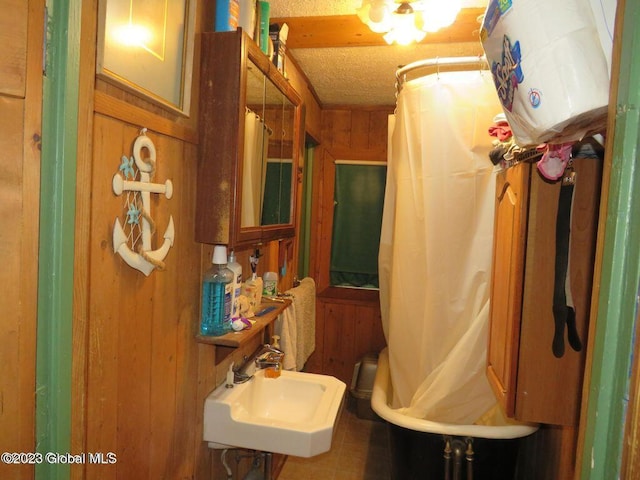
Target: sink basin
(294,414)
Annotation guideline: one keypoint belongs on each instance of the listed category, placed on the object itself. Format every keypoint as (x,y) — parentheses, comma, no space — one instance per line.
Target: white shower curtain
(256,145)
(436,246)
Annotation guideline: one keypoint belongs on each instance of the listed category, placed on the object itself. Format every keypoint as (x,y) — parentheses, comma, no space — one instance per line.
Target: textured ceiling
(363,75)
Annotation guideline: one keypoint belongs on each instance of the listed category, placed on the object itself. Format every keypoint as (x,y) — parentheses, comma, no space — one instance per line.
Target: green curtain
(277,197)
(357,219)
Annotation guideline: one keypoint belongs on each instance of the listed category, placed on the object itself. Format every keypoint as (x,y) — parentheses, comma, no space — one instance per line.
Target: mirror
(279,114)
(250,139)
(268,153)
(255,153)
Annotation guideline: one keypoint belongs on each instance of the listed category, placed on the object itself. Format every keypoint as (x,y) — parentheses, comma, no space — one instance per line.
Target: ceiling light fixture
(407,22)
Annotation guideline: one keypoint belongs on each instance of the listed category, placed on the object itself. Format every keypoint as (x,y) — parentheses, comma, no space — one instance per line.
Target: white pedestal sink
(294,414)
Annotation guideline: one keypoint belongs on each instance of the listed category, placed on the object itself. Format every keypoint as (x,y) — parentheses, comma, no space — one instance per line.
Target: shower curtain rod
(401,73)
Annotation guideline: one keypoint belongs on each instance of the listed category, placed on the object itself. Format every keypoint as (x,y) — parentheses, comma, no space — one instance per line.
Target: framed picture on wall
(146,47)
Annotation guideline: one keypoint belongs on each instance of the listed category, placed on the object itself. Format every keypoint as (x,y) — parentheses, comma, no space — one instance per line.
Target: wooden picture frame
(146,47)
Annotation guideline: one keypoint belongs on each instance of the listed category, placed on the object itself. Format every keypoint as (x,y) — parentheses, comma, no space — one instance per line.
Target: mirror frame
(223,83)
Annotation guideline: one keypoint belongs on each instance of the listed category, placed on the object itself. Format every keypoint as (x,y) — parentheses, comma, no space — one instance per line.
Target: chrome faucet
(269,356)
(264,357)
(240,374)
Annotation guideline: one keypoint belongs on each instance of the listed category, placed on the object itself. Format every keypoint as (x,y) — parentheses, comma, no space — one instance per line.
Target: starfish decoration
(133,215)
(126,167)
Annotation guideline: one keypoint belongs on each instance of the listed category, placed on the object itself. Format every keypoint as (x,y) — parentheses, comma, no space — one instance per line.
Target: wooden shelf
(228,342)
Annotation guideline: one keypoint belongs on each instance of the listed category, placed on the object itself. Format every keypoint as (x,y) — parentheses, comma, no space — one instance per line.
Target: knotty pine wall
(141,378)
(137,368)
(20,132)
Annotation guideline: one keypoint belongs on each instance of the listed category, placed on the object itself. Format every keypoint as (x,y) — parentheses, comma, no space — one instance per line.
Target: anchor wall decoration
(134,246)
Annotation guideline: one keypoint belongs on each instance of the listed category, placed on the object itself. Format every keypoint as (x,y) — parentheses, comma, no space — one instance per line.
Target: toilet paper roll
(549,68)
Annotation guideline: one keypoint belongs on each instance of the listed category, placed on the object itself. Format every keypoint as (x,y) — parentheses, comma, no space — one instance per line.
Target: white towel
(296,326)
(285,328)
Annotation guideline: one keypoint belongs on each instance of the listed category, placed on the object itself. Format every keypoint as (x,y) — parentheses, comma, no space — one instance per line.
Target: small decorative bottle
(236,268)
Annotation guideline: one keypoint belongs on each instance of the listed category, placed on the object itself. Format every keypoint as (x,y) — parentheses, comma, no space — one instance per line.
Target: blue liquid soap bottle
(217,285)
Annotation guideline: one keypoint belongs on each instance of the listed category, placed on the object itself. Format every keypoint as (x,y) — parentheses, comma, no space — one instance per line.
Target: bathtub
(424,449)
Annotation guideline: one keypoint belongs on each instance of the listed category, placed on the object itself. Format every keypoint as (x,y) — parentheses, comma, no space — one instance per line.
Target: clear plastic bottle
(270,286)
(236,268)
(215,318)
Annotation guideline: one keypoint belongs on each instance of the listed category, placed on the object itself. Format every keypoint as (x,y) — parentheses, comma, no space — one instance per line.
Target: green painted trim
(305,223)
(617,312)
(57,225)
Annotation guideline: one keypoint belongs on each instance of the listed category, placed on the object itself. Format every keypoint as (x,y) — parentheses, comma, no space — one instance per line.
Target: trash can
(364,374)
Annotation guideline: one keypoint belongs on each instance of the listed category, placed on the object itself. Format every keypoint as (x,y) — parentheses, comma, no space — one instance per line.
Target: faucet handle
(269,359)
(272,348)
(239,377)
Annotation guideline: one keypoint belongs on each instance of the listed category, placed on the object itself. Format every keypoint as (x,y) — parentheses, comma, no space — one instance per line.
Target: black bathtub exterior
(421,456)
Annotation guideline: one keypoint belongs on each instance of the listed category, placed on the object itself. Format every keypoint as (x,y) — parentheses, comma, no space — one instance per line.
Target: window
(357,219)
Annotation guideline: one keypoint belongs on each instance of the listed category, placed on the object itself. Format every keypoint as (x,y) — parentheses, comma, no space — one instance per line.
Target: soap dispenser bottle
(215,317)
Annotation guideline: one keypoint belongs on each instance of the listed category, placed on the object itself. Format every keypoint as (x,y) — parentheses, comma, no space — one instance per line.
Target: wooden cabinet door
(507,282)
(549,388)
(530,382)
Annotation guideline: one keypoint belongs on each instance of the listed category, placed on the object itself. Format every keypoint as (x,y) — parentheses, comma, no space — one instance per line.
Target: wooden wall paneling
(17,325)
(336,128)
(113,317)
(359,130)
(206,383)
(106,304)
(183,280)
(548,454)
(300,83)
(356,134)
(165,334)
(379,133)
(349,331)
(136,115)
(315,361)
(20,127)
(143,359)
(145,373)
(339,340)
(186,428)
(29,222)
(148,109)
(133,388)
(13,46)
(135,325)
(80,327)
(369,336)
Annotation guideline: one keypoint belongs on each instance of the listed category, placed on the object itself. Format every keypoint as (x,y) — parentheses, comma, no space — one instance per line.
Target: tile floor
(360,451)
